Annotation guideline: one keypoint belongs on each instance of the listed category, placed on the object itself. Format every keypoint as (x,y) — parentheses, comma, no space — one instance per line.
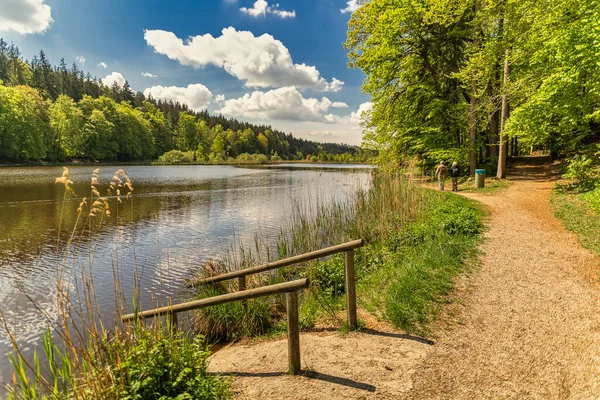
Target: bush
(261,158)
(581,172)
(163,365)
(175,157)
(455,219)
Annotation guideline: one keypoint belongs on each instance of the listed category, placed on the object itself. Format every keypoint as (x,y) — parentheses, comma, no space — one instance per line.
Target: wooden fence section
(347,248)
(290,288)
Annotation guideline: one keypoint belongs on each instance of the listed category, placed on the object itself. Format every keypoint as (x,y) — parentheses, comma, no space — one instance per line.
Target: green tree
(24,124)
(66,121)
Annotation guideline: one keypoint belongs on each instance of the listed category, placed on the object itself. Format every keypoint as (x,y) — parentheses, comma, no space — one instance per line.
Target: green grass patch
(580,213)
(492,186)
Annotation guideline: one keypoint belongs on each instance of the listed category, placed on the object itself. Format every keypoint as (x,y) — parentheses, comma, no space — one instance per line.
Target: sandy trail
(527,328)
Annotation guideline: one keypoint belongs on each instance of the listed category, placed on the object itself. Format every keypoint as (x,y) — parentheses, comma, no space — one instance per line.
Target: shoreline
(155,163)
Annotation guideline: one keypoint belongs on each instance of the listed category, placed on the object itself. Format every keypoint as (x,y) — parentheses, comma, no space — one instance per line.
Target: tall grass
(417,241)
(84,360)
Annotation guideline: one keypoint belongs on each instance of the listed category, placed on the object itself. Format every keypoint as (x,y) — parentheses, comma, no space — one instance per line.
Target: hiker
(440,172)
(454,173)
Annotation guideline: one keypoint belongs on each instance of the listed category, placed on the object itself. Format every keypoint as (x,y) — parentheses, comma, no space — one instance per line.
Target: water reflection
(179,217)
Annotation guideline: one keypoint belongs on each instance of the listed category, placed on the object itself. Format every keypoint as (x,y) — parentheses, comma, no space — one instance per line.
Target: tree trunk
(493,135)
(503,143)
(473,129)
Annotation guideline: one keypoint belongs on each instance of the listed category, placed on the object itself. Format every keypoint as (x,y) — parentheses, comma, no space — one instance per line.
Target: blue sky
(279,62)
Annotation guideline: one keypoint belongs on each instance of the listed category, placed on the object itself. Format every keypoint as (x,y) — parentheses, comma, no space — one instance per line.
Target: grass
(82,359)
(417,242)
(580,213)
(492,186)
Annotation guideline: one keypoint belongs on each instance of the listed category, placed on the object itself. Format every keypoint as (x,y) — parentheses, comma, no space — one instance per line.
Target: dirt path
(529,327)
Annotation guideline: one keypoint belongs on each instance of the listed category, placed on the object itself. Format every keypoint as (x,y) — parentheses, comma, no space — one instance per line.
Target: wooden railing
(347,248)
(290,288)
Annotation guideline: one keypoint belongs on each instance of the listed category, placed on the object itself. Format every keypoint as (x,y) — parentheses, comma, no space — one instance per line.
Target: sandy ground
(527,327)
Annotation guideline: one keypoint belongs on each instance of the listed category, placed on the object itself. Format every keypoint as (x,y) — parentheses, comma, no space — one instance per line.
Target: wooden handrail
(278,264)
(225,298)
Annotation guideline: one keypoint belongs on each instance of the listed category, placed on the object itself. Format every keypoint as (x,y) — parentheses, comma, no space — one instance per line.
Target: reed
(394,217)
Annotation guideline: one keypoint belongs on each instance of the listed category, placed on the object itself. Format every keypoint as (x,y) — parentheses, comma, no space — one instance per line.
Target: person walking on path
(454,173)
(440,172)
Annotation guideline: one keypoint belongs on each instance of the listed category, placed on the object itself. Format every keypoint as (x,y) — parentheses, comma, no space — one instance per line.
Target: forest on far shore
(59,113)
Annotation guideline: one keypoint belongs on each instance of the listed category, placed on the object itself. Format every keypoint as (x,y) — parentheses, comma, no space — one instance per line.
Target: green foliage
(454,219)
(175,157)
(582,171)
(435,73)
(163,366)
(580,213)
(148,363)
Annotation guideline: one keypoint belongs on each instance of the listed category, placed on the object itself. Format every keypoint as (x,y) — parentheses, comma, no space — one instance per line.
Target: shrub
(261,158)
(581,172)
(175,157)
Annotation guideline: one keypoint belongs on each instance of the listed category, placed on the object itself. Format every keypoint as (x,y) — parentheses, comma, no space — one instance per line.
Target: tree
(23,124)
(66,121)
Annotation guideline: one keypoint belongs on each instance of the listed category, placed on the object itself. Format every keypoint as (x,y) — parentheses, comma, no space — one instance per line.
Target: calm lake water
(179,217)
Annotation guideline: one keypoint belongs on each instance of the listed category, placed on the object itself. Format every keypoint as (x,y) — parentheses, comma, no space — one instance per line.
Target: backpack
(442,170)
(454,172)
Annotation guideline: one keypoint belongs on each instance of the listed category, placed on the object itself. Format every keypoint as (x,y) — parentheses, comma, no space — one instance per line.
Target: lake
(177,218)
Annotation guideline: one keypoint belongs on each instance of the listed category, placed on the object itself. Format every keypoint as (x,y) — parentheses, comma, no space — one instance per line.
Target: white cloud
(260,61)
(80,59)
(339,104)
(196,96)
(220,99)
(25,16)
(347,128)
(103,65)
(261,8)
(284,14)
(351,6)
(285,103)
(148,75)
(363,112)
(112,78)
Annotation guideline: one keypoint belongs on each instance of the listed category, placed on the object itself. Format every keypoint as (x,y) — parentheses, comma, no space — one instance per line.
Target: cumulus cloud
(112,78)
(148,75)
(351,6)
(260,61)
(80,59)
(196,96)
(261,8)
(220,99)
(25,16)
(285,103)
(103,65)
(363,111)
(339,104)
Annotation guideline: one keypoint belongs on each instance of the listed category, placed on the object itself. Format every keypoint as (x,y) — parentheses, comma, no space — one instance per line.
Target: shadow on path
(405,336)
(307,374)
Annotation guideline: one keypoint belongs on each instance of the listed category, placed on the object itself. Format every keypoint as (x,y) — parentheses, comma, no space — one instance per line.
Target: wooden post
(350,289)
(242,283)
(293,332)
(242,286)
